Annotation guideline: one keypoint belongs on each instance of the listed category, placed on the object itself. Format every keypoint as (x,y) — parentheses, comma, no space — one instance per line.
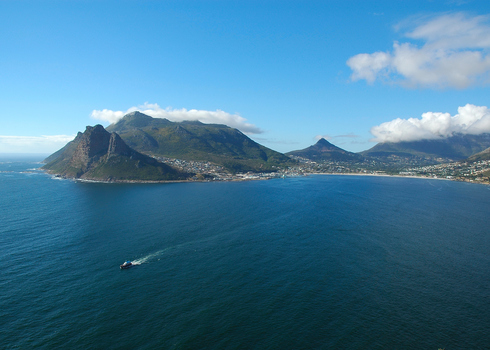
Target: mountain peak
(96,128)
(324,146)
(324,150)
(136,120)
(93,143)
(324,142)
(99,155)
(136,114)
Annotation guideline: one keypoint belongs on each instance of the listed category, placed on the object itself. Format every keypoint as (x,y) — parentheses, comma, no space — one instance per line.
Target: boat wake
(160,253)
(149,257)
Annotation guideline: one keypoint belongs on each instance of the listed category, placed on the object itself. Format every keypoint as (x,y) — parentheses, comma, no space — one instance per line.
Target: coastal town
(461,171)
(477,172)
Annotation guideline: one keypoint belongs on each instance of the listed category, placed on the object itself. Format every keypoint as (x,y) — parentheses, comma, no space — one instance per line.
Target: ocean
(315,262)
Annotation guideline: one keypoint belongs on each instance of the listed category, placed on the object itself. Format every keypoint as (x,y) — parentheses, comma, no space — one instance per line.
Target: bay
(317,262)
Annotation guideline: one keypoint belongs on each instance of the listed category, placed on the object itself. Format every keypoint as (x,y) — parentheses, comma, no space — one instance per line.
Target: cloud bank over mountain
(471,119)
(178,115)
(454,54)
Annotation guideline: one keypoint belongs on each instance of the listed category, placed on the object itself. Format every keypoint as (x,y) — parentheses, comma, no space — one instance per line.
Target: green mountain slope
(193,140)
(325,151)
(483,155)
(99,155)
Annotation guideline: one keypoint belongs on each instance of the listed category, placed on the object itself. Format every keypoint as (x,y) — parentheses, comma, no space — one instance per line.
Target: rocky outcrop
(118,147)
(93,144)
(99,155)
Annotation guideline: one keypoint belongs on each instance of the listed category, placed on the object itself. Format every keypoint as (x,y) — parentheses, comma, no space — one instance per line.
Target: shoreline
(384,175)
(55,176)
(402,176)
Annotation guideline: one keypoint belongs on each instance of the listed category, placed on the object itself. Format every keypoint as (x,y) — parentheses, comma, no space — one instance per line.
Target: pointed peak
(323,141)
(324,150)
(324,145)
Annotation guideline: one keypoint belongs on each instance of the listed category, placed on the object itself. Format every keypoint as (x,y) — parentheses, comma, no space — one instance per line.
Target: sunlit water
(318,262)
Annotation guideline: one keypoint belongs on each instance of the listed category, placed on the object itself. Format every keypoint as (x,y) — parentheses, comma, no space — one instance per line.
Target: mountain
(99,155)
(483,155)
(324,150)
(456,147)
(193,140)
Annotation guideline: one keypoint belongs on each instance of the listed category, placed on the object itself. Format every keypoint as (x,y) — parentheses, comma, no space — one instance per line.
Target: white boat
(126,265)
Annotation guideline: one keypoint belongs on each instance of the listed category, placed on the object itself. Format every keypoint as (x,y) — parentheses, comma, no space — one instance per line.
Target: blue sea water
(317,262)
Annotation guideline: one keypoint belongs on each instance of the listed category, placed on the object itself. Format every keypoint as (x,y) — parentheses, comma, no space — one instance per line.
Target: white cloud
(33,144)
(107,115)
(178,115)
(369,66)
(455,53)
(470,119)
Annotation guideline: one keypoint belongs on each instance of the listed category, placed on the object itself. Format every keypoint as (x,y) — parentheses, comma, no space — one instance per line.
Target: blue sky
(284,72)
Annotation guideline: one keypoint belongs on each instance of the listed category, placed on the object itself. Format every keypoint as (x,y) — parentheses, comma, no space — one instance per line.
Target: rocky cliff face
(99,155)
(117,147)
(93,144)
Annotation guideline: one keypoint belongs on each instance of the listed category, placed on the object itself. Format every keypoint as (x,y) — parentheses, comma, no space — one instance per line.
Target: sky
(285,73)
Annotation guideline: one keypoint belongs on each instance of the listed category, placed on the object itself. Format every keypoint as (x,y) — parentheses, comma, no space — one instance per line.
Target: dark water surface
(319,262)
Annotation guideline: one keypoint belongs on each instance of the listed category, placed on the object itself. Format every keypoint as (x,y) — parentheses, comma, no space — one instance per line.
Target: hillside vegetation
(193,140)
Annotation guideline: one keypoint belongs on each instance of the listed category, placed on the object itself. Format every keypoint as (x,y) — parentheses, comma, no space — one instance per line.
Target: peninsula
(98,155)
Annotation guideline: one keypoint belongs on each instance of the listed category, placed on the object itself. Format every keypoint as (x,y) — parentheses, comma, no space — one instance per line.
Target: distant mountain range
(193,140)
(325,151)
(99,155)
(456,147)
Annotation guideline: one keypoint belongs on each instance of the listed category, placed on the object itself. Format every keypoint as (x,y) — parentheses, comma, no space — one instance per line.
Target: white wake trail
(149,257)
(159,253)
